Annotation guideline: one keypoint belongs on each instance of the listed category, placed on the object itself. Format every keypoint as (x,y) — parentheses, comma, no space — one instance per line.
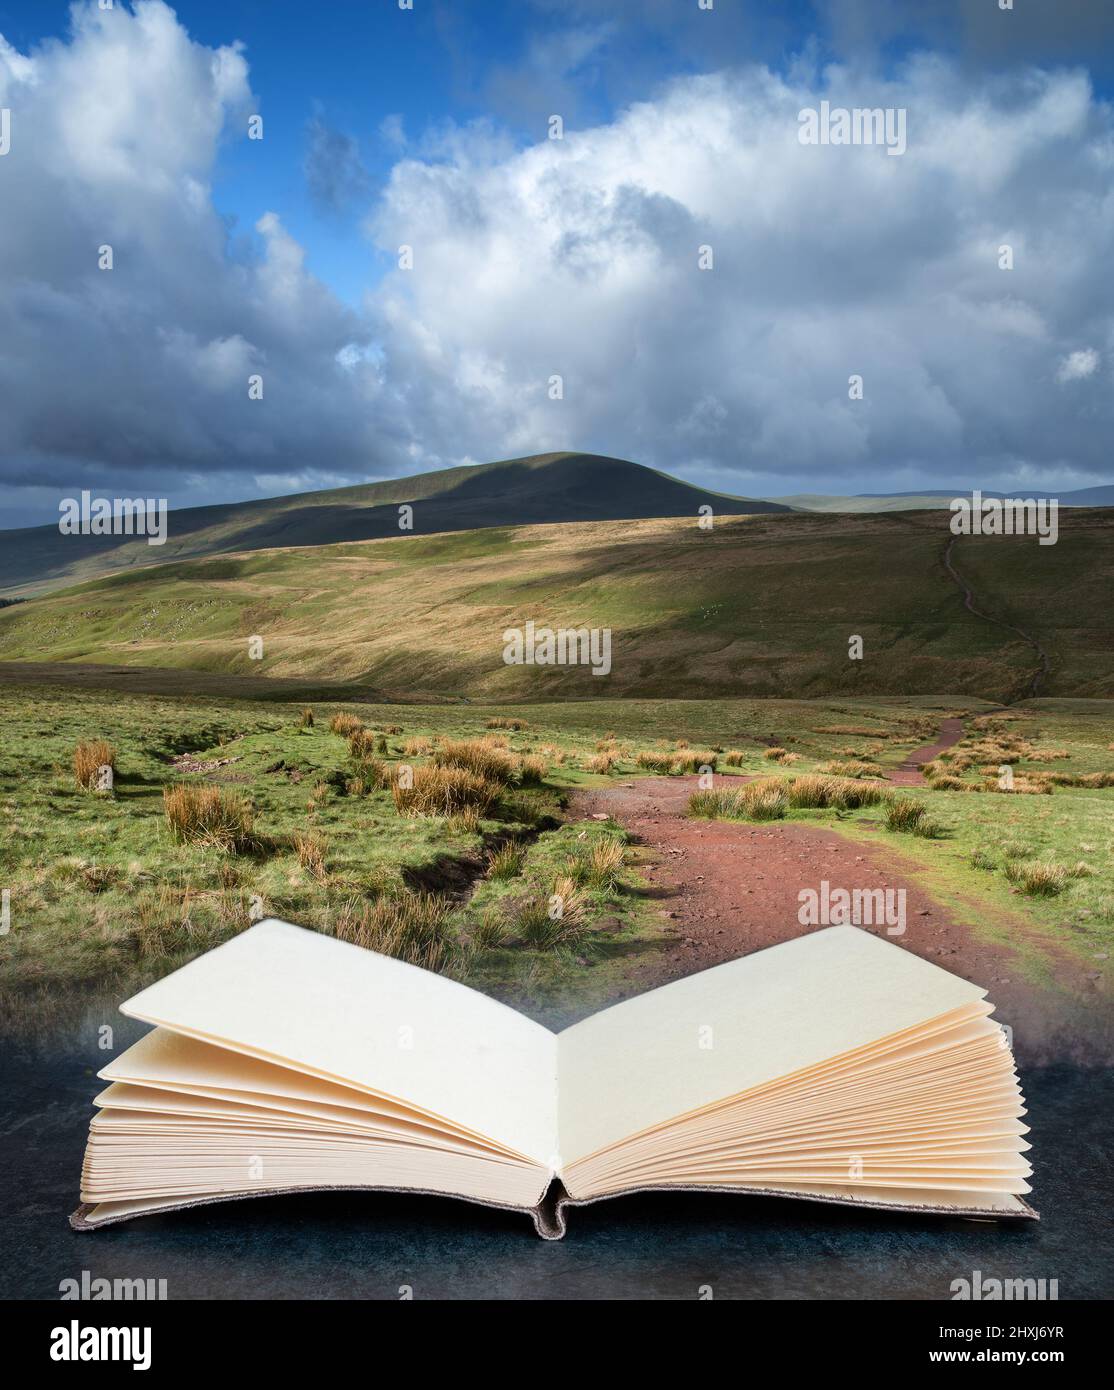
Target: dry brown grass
(734,757)
(345,724)
(310,849)
(853,730)
(480,758)
(758,801)
(1038,880)
(1022,786)
(442,791)
(533,770)
(413,927)
(465,822)
(498,722)
(849,769)
(88,756)
(318,797)
(814,790)
(362,745)
(306,721)
(694,760)
(209,815)
(506,861)
(605,863)
(600,763)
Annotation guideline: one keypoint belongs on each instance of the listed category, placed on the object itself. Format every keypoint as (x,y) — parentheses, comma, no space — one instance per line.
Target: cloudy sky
(536,257)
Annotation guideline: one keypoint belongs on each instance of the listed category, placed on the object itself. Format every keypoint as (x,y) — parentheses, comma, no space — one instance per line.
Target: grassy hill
(759,606)
(524,491)
(919,501)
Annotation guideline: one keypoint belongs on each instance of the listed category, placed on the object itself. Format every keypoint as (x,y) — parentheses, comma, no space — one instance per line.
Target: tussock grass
(770,798)
(318,797)
(209,816)
(1041,880)
(734,758)
(310,849)
(694,760)
(909,817)
(506,862)
(465,821)
(903,814)
(480,758)
(853,730)
(1022,786)
(601,763)
(853,769)
(533,770)
(413,927)
(443,791)
(345,724)
(677,763)
(88,756)
(763,800)
(306,719)
(515,725)
(816,791)
(602,867)
(554,921)
(489,931)
(362,746)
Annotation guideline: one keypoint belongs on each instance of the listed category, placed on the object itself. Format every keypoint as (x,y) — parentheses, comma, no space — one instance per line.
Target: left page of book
(337,1011)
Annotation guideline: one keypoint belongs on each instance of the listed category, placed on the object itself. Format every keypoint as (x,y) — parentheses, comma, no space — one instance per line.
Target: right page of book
(737,1026)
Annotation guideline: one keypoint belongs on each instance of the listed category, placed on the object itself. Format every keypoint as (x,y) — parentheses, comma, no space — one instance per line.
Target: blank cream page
(324,1006)
(737,1026)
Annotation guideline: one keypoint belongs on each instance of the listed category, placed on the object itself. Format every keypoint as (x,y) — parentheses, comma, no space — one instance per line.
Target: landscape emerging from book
(378,771)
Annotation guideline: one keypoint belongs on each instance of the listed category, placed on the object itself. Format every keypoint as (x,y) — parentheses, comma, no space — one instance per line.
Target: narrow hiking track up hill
(1033,685)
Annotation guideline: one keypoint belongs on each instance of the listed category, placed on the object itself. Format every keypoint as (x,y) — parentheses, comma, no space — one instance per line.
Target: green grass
(103,892)
(759,607)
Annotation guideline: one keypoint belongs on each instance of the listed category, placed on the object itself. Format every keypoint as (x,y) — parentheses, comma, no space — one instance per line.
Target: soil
(728,888)
(909,773)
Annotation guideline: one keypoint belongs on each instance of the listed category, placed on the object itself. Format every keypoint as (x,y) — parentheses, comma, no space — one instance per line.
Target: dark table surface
(363,1245)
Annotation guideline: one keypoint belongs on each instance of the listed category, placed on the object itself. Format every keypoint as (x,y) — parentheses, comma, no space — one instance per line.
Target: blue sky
(357,63)
(385,126)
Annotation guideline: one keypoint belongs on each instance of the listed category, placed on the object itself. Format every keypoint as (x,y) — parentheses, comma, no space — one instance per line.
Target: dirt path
(909,774)
(1044,666)
(726,889)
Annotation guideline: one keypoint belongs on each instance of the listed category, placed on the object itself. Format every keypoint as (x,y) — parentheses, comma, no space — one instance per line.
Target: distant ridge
(1102,496)
(537,490)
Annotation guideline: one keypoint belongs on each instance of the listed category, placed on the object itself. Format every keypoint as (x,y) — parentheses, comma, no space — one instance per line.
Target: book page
(736,1026)
(335,1010)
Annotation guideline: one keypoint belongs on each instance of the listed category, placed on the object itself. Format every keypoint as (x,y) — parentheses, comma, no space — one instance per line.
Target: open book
(837,1067)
